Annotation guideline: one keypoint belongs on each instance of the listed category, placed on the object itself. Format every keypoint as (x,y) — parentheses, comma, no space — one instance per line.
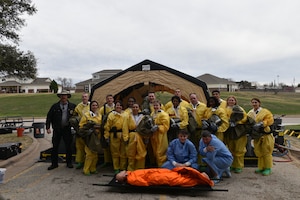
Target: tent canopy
(148,76)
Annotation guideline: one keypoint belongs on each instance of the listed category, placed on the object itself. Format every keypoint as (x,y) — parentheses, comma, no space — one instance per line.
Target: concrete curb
(23,154)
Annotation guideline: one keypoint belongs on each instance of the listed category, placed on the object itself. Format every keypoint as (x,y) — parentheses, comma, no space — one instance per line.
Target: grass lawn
(37,105)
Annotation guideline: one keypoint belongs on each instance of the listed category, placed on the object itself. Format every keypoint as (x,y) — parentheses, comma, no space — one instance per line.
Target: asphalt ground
(27,177)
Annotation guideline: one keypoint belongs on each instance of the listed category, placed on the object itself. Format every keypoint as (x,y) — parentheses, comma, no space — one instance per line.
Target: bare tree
(66,83)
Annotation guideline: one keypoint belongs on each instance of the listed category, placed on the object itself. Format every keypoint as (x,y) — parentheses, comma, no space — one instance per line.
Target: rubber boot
(266,172)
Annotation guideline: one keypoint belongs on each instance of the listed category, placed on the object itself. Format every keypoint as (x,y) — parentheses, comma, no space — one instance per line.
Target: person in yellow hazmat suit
(104,111)
(136,149)
(218,116)
(116,134)
(262,135)
(159,139)
(80,110)
(236,135)
(89,126)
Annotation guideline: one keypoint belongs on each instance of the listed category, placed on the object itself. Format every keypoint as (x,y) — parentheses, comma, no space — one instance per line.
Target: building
(216,83)
(25,85)
(86,86)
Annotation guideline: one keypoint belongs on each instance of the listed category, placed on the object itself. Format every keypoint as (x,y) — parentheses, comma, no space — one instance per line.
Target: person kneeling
(181,152)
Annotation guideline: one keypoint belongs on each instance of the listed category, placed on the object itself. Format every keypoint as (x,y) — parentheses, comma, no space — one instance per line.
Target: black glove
(213,127)
(258,126)
(205,124)
(175,125)
(232,124)
(154,128)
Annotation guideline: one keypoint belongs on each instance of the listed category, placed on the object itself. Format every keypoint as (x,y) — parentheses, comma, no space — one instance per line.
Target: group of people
(178,134)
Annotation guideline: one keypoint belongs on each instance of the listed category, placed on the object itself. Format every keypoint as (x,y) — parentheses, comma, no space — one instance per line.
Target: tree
(66,83)
(53,86)
(14,62)
(10,21)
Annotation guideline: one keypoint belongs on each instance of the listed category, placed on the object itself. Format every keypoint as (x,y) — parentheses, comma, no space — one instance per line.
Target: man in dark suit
(58,116)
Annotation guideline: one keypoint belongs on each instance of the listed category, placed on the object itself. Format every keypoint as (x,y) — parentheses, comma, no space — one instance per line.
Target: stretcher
(158,189)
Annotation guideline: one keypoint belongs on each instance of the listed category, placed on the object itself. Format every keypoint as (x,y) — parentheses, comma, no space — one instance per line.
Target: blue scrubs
(220,159)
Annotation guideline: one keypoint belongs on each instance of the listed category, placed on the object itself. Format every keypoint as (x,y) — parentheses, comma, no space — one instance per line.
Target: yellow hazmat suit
(136,149)
(80,110)
(263,146)
(91,157)
(159,139)
(116,130)
(106,152)
(236,146)
(221,113)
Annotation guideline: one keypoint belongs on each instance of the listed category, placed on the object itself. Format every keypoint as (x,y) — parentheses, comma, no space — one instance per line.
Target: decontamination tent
(148,76)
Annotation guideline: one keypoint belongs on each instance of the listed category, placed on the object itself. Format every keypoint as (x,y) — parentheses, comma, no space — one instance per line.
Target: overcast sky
(253,40)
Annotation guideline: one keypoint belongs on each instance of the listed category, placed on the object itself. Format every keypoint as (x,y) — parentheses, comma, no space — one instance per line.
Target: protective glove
(145,111)
(154,128)
(257,126)
(232,124)
(205,124)
(213,127)
(175,125)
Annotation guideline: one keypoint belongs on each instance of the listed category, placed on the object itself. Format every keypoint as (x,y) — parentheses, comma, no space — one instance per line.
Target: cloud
(241,40)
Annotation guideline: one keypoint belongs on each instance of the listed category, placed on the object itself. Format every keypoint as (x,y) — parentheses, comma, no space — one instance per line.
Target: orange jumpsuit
(179,176)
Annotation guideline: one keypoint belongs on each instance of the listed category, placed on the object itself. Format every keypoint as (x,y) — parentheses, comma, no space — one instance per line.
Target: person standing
(116,133)
(181,152)
(218,116)
(216,155)
(147,105)
(198,111)
(159,139)
(58,116)
(183,102)
(262,135)
(136,149)
(104,111)
(236,135)
(90,122)
(217,94)
(130,102)
(80,110)
(179,117)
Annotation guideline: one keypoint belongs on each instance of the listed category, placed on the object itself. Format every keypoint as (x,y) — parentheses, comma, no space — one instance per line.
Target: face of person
(135,109)
(211,103)
(85,98)
(177,93)
(118,107)
(130,102)
(121,176)
(109,100)
(156,106)
(231,101)
(175,103)
(216,94)
(151,97)
(64,98)
(182,137)
(193,99)
(94,107)
(206,140)
(255,104)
